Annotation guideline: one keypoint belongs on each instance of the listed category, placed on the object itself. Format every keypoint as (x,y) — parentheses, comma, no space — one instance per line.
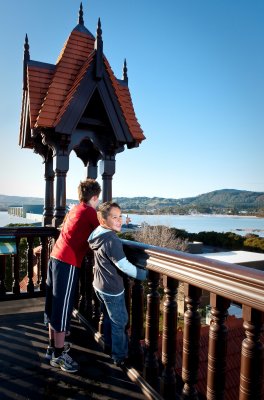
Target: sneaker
(50,350)
(64,362)
(122,363)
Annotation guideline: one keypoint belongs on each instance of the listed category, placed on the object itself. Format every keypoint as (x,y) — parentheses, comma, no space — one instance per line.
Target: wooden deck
(26,375)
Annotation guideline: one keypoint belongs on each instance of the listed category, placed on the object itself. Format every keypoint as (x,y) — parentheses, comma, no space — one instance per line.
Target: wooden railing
(33,236)
(226,283)
(154,349)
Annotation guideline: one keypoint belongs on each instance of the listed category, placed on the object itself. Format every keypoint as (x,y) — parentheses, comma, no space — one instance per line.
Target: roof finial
(26,49)
(25,61)
(125,77)
(99,30)
(81,15)
(98,46)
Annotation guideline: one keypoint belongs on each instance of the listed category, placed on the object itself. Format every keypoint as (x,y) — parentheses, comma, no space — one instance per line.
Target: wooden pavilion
(77,104)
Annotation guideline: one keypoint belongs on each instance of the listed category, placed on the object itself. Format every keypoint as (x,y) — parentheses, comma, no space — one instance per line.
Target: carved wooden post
(43,262)
(169,338)
(49,191)
(216,372)
(191,342)
(151,366)
(107,170)
(2,275)
(62,166)
(92,170)
(252,356)
(30,285)
(96,312)
(16,268)
(127,286)
(136,350)
(86,287)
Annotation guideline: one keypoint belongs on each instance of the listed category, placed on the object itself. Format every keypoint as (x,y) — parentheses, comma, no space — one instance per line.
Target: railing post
(216,372)
(127,286)
(191,342)
(43,263)
(136,350)
(30,285)
(169,338)
(151,365)
(2,275)
(252,356)
(16,268)
(86,287)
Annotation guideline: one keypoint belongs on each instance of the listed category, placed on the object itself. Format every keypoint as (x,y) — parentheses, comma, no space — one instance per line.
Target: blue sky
(196,76)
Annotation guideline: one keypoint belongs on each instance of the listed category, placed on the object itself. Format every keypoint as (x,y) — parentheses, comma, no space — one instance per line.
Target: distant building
(22,211)
(33,212)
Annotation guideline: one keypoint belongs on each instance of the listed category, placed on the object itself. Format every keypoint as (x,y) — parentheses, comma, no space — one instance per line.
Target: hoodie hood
(98,237)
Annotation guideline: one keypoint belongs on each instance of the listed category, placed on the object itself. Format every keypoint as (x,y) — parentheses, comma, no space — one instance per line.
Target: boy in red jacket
(63,271)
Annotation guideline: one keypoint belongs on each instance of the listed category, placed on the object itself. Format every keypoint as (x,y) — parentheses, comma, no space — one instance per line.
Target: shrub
(160,235)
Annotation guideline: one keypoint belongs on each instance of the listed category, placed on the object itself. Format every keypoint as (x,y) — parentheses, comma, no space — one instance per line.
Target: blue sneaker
(50,350)
(64,362)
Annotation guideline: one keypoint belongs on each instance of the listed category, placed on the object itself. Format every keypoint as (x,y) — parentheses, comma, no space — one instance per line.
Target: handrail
(225,282)
(23,231)
(35,279)
(238,283)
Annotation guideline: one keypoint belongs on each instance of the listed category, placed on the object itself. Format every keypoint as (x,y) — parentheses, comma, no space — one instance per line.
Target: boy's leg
(48,310)
(59,338)
(106,325)
(65,278)
(117,312)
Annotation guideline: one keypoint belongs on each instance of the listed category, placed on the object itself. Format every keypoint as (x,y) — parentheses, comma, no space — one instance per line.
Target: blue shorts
(61,285)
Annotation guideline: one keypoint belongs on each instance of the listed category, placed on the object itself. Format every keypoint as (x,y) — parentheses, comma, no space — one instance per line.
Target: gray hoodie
(111,262)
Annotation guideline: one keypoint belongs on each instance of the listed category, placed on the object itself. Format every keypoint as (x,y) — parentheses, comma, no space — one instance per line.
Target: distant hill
(7,201)
(224,200)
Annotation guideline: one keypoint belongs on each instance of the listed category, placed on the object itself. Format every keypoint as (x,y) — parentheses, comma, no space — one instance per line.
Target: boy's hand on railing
(142,274)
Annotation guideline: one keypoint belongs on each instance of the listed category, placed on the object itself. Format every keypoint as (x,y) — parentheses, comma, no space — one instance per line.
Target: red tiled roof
(125,101)
(74,87)
(74,54)
(51,89)
(39,78)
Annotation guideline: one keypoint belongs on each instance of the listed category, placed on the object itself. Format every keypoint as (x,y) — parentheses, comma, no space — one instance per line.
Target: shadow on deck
(25,374)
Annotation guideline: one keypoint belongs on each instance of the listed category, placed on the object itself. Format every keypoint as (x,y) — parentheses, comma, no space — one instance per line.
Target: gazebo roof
(56,96)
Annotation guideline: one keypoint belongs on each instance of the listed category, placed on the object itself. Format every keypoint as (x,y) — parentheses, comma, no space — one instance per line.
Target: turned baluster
(15,269)
(217,349)
(30,285)
(151,365)
(137,318)
(252,356)
(2,275)
(127,285)
(191,342)
(84,296)
(169,338)
(43,263)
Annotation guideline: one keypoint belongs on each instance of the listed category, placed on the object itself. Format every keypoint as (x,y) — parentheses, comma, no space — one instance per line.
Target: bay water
(190,223)
(204,223)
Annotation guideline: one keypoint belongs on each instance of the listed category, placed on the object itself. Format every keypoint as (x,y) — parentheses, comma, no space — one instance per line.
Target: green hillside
(218,201)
